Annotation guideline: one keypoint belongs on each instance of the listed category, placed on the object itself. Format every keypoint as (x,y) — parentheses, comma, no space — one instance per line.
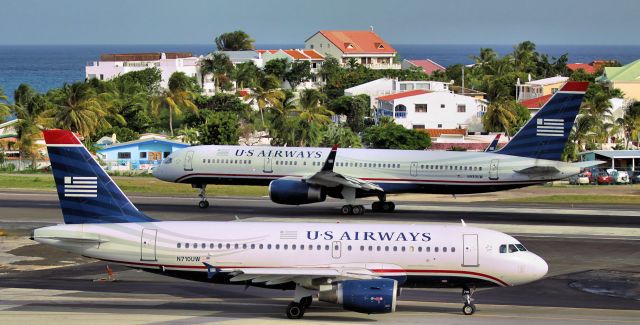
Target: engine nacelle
(363,296)
(295,192)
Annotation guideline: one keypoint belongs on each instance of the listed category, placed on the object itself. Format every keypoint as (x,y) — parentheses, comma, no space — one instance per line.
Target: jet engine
(295,192)
(364,296)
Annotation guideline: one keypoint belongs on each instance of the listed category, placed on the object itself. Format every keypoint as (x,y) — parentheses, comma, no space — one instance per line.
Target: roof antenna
(463,223)
(371,27)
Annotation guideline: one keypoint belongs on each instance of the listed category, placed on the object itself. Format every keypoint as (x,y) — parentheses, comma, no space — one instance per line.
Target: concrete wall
(630,89)
(322,45)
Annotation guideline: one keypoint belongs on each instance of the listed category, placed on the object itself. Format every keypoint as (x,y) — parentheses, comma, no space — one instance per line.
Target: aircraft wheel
(203,204)
(376,206)
(388,206)
(469,309)
(306,302)
(357,209)
(295,310)
(346,210)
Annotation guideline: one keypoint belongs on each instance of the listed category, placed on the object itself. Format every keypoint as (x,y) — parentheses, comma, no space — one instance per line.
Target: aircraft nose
(538,267)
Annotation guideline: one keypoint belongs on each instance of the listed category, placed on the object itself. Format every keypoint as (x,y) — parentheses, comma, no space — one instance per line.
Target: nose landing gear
(203,204)
(469,308)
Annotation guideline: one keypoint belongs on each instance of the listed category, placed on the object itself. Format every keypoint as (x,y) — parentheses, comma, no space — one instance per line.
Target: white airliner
(306,175)
(359,266)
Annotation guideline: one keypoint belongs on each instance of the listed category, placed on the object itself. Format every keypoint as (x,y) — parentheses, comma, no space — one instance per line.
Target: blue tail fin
(494,144)
(87,194)
(545,135)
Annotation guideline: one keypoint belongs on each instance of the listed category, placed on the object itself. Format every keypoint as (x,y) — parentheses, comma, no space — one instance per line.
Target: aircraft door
(148,245)
(470,250)
(493,169)
(188,161)
(414,169)
(336,249)
(268,165)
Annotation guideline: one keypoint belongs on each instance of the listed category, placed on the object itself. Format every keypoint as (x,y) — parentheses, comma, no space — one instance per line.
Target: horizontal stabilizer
(591,163)
(538,170)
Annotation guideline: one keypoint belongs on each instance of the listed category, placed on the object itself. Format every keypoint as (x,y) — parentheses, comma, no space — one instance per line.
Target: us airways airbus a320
(359,266)
(306,175)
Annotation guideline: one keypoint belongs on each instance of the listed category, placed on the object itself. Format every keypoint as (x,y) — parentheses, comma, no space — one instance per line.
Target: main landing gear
(301,301)
(383,205)
(203,204)
(469,308)
(352,209)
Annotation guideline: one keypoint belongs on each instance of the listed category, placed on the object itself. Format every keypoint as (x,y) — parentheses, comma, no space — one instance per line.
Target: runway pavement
(593,253)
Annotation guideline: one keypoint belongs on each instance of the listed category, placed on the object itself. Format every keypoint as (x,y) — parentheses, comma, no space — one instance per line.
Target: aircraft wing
(274,276)
(328,178)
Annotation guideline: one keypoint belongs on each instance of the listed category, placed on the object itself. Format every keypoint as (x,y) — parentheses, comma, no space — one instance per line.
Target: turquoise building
(138,154)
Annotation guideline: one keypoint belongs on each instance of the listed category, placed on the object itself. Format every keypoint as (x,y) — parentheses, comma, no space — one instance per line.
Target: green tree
(78,108)
(221,67)
(234,41)
(630,122)
(189,135)
(245,74)
(341,135)
(299,72)
(29,108)
(500,117)
(277,67)
(354,107)
(284,127)
(4,105)
(525,57)
(220,128)
(486,56)
(266,95)
(174,100)
(313,115)
(389,135)
(147,79)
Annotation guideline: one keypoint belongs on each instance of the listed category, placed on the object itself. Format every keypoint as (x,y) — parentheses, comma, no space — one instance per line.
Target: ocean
(49,66)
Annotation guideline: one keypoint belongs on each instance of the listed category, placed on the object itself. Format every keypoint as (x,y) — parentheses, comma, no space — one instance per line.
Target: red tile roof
(388,98)
(313,54)
(586,67)
(296,55)
(536,103)
(357,41)
(436,133)
(427,65)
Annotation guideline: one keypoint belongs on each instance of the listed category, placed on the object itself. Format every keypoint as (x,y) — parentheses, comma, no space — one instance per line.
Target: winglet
(211,270)
(331,159)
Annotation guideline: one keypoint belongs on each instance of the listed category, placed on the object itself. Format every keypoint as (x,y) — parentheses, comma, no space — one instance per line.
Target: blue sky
(292,21)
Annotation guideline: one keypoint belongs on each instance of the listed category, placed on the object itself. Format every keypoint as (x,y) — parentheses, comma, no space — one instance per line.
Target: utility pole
(462,90)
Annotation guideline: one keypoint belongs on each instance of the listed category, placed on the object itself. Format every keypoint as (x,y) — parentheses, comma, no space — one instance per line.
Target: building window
(101,76)
(462,108)
(418,126)
(124,155)
(143,155)
(439,126)
(421,108)
(400,111)
(441,105)
(166,154)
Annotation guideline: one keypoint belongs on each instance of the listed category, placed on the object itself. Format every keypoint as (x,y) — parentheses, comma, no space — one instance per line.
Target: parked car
(604,179)
(580,179)
(618,176)
(635,177)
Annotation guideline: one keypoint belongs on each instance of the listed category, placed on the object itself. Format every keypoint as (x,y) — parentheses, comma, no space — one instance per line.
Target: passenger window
(235,246)
(269,246)
(211,246)
(219,246)
(310,247)
(186,245)
(253,246)
(228,246)
(419,249)
(378,248)
(512,248)
(293,246)
(349,248)
(326,247)
(395,248)
(244,246)
(261,246)
(178,245)
(195,245)
(435,249)
(428,249)
(386,248)
(444,249)
(277,246)
(453,249)
(403,248)
(361,248)
(286,247)
(203,246)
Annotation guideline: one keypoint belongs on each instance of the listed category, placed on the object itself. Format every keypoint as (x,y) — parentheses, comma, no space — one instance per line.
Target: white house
(386,86)
(538,88)
(365,46)
(421,109)
(112,65)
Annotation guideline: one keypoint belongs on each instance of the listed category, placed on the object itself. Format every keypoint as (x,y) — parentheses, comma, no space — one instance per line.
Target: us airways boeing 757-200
(359,266)
(306,175)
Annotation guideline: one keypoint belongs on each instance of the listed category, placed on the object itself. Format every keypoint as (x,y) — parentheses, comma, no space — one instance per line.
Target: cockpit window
(167,161)
(512,248)
(521,247)
(503,249)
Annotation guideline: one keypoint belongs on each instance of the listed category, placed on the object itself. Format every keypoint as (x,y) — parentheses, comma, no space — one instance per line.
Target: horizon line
(287,43)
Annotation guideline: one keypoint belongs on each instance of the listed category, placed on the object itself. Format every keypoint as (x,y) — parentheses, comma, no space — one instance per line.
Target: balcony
(400,115)
(383,66)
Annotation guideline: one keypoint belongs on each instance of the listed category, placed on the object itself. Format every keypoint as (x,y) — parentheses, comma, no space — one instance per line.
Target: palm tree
(352,63)
(28,109)
(174,100)
(205,66)
(283,127)
(486,56)
(266,94)
(312,115)
(245,74)
(581,130)
(4,105)
(221,67)
(499,116)
(190,135)
(234,41)
(78,108)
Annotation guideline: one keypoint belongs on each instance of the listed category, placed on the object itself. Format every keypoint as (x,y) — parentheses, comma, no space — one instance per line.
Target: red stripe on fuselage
(202,267)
